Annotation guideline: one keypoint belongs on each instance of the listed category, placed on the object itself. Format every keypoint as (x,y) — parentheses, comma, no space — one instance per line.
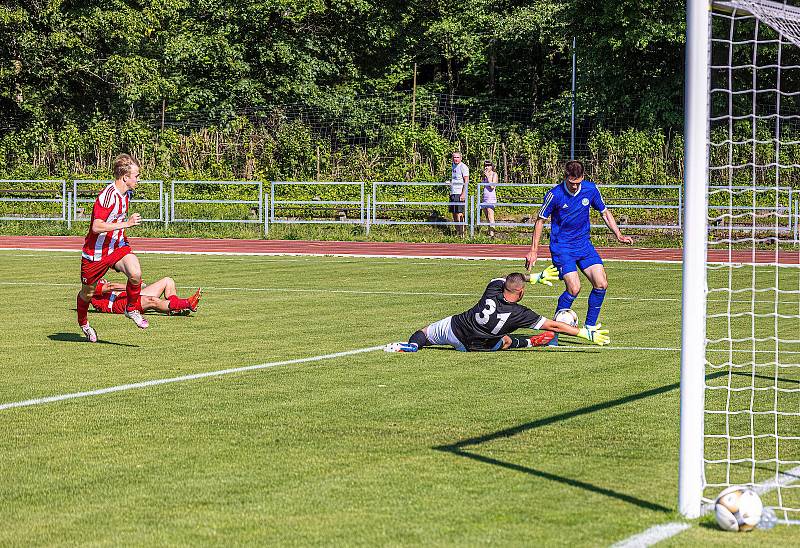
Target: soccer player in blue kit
(568,205)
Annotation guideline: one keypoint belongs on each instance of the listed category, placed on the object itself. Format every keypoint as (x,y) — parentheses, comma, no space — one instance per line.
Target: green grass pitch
(576,446)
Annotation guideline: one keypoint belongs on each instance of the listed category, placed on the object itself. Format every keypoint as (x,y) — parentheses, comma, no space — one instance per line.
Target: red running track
(373,249)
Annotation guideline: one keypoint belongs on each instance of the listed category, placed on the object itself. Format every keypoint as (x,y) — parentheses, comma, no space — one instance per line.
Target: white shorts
(441,332)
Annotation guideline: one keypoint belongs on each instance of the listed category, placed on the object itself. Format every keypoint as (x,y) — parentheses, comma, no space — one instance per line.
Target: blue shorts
(570,260)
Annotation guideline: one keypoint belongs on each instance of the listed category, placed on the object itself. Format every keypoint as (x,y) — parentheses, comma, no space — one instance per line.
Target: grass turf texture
(574,446)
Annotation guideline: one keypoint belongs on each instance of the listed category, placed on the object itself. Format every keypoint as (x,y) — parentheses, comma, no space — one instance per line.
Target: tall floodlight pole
(693,327)
(572,117)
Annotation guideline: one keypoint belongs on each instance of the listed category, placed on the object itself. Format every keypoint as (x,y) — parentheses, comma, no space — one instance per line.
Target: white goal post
(740,341)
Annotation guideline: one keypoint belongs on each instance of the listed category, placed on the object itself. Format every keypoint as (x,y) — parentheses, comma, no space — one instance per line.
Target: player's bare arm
(464,189)
(611,223)
(99,226)
(533,254)
(108,287)
(559,327)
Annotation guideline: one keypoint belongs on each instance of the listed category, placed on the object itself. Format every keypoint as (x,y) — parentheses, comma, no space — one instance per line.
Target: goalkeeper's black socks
(519,342)
(419,338)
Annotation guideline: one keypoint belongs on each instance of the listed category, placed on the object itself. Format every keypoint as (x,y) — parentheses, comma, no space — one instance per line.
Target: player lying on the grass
(488,325)
(112,298)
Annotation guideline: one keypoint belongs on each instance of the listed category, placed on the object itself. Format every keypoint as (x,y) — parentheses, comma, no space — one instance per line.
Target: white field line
(194,376)
(157,382)
(585,346)
(446,263)
(382,256)
(654,534)
(407,293)
(657,533)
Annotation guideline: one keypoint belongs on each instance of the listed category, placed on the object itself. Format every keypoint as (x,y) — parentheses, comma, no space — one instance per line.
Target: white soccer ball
(567,315)
(738,509)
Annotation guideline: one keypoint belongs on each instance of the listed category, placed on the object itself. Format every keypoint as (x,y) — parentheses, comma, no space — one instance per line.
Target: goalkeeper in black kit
(487,326)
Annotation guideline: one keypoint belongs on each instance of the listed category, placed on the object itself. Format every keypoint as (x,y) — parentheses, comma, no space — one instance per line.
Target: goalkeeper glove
(546,276)
(597,336)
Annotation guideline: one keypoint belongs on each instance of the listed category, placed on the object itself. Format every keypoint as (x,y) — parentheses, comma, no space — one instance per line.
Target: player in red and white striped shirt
(107,247)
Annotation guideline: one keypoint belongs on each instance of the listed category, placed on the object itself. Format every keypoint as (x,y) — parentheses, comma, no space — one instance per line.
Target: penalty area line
(182,378)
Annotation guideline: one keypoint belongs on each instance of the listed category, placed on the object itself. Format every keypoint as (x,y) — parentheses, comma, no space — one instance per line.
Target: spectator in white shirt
(459,181)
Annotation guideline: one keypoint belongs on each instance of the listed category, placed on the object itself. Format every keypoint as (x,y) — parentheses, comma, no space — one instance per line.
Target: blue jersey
(569,223)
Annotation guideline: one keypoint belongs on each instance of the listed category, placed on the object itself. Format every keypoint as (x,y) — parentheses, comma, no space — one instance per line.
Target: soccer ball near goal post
(738,509)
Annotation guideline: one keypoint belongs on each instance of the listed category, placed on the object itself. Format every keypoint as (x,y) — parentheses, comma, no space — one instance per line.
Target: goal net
(744,346)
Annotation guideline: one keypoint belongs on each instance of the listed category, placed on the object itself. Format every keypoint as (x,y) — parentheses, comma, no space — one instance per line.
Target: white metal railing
(385,204)
(782,209)
(56,195)
(671,201)
(256,203)
(84,191)
(355,200)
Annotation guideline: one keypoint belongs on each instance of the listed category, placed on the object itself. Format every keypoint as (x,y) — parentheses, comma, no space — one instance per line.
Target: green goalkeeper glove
(546,276)
(597,336)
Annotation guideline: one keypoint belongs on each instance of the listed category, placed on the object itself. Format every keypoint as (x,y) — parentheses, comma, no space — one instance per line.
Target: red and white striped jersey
(111,207)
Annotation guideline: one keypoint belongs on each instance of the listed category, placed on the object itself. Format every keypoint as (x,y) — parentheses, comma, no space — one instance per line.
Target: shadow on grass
(74,338)
(562,479)
(763,377)
(786,473)
(571,348)
(458,448)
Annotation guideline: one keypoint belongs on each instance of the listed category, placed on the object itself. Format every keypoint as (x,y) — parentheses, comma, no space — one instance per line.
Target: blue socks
(595,302)
(565,300)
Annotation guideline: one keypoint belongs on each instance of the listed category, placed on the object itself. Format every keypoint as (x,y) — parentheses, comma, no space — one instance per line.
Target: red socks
(133,291)
(176,303)
(83,311)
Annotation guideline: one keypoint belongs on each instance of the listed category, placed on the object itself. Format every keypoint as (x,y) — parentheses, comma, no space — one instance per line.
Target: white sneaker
(400,347)
(140,321)
(90,333)
(392,347)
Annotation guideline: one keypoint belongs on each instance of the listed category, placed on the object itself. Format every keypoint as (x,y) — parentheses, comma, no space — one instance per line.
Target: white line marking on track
(157,382)
(663,531)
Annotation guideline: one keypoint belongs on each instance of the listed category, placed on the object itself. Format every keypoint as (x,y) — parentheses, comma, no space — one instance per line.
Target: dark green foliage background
(298,90)
(80,82)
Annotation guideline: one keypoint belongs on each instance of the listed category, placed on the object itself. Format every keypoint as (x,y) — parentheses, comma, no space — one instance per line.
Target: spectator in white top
(459,181)
(489,194)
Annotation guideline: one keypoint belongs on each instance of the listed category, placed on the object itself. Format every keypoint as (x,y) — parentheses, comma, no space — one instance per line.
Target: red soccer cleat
(542,338)
(194,300)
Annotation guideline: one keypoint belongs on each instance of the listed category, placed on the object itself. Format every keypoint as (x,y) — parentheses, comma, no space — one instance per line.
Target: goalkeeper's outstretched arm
(545,277)
(596,336)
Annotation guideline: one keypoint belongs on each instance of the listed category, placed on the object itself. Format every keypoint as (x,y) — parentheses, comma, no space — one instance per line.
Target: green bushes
(286,149)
